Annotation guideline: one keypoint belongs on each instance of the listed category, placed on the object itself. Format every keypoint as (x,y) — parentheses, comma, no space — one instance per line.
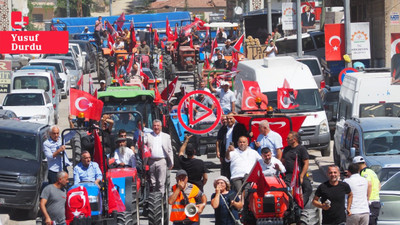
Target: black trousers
(374,209)
(305,186)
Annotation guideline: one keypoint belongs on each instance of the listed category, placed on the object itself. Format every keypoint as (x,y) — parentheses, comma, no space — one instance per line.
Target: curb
(4,218)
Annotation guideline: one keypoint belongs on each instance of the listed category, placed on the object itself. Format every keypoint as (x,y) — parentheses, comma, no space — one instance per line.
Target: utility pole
(347,32)
(269,17)
(110,4)
(298,22)
(68,12)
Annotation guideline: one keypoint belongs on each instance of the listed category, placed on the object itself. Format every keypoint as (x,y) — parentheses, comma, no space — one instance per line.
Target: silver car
(390,201)
(75,72)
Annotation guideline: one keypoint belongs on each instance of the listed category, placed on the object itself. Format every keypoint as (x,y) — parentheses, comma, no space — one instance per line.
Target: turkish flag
(214,45)
(81,101)
(286,97)
(77,204)
(79,84)
(95,93)
(98,151)
(334,42)
(111,30)
(191,41)
(395,44)
(53,28)
(168,31)
(114,199)
(176,36)
(395,58)
(239,43)
(281,125)
(142,74)
(206,63)
(132,44)
(129,68)
(251,91)
(156,38)
(120,22)
(235,59)
(167,93)
(256,175)
(297,192)
(200,24)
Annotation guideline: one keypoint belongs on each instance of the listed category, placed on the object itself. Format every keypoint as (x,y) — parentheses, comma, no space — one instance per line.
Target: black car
(7,114)
(22,166)
(90,54)
(330,99)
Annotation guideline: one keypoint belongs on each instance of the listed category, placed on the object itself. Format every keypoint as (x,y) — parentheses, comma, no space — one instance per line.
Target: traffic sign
(343,73)
(193,102)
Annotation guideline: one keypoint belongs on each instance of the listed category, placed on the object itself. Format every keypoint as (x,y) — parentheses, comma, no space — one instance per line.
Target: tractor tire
(309,216)
(326,151)
(135,203)
(124,218)
(104,72)
(165,199)
(167,65)
(175,142)
(155,208)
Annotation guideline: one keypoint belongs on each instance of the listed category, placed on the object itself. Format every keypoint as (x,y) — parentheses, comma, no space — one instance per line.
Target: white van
(270,74)
(366,94)
(38,79)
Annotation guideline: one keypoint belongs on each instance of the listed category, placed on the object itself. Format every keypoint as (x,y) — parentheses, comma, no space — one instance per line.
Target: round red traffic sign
(343,73)
(217,105)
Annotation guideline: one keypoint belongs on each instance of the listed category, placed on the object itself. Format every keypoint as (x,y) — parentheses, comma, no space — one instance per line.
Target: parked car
(75,49)
(7,114)
(330,99)
(376,139)
(17,60)
(38,79)
(390,201)
(315,67)
(313,43)
(89,54)
(62,71)
(71,64)
(22,168)
(30,105)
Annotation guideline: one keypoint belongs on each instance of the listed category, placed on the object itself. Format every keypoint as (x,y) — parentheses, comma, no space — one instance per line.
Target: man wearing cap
(373,191)
(184,193)
(86,30)
(123,155)
(102,86)
(227,98)
(220,63)
(269,164)
(271,50)
(228,49)
(268,138)
(161,158)
(87,171)
(242,160)
(223,200)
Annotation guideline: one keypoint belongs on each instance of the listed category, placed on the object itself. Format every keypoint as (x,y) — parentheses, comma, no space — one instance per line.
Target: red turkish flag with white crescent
(239,43)
(77,204)
(395,58)
(251,91)
(286,97)
(167,93)
(81,101)
(334,42)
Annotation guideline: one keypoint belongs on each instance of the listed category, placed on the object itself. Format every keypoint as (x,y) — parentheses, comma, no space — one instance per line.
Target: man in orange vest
(183,194)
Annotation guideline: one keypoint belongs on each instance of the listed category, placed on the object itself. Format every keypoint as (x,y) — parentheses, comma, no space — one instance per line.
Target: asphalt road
(207,217)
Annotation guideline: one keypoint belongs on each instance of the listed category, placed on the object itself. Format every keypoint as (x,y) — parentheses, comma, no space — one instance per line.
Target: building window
(37,17)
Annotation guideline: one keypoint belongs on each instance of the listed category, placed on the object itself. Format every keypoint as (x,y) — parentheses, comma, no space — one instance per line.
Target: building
(194,6)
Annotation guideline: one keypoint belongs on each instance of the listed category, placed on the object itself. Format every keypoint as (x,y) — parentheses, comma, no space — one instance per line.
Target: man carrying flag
(296,154)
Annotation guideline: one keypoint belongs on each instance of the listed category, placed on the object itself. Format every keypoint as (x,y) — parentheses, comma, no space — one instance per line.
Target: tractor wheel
(175,142)
(135,203)
(104,72)
(309,217)
(165,199)
(124,218)
(167,65)
(155,208)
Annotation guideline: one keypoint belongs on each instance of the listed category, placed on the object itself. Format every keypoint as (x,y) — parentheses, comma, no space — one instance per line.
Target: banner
(360,41)
(395,58)
(334,42)
(288,16)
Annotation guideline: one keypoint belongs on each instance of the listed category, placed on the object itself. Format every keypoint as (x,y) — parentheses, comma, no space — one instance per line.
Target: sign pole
(347,27)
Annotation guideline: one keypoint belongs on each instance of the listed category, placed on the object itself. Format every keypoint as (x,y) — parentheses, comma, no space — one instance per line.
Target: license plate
(305,142)
(2,201)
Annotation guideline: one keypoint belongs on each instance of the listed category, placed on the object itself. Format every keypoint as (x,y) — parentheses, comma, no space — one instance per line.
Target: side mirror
(352,152)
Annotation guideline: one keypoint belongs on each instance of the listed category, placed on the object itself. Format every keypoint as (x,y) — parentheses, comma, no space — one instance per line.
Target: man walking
(359,187)
(162,157)
(375,187)
(52,200)
(55,154)
(270,139)
(330,196)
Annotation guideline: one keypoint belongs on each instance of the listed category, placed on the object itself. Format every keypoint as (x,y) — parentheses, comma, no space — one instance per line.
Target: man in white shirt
(227,98)
(271,50)
(269,164)
(270,139)
(124,156)
(119,44)
(242,160)
(359,211)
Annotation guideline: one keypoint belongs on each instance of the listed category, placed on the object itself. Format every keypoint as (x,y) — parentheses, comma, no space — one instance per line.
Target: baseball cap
(102,81)
(181,172)
(358,159)
(221,178)
(86,27)
(224,83)
(120,139)
(228,40)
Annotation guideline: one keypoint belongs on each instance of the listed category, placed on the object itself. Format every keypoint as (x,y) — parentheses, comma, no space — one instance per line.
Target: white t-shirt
(268,169)
(359,188)
(157,150)
(128,158)
(269,48)
(120,45)
(226,98)
(242,161)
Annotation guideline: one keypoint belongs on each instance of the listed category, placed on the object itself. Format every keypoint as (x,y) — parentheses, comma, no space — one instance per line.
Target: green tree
(61,10)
